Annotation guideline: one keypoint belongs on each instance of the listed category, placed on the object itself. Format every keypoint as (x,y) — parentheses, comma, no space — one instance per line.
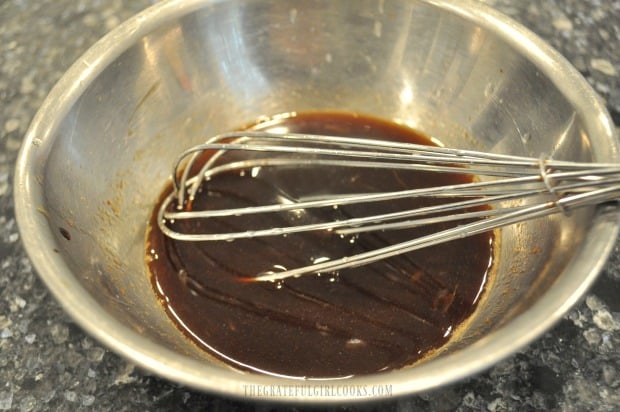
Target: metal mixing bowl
(100,149)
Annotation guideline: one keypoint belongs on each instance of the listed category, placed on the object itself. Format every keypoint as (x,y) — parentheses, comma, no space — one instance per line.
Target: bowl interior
(99,157)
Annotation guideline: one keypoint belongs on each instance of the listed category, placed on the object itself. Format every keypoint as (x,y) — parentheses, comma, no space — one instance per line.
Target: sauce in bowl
(378,317)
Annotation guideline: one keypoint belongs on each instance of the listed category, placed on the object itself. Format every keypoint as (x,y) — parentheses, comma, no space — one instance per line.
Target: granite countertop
(48,363)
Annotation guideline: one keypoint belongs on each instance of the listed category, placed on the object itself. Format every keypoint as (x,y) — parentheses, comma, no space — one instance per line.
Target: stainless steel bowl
(100,149)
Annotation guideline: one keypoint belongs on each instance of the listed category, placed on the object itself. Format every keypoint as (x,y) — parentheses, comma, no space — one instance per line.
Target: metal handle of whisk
(515,189)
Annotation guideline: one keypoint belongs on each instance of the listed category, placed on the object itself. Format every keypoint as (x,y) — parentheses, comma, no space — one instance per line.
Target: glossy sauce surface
(373,318)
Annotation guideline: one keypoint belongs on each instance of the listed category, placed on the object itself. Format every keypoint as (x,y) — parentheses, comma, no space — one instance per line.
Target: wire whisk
(511,189)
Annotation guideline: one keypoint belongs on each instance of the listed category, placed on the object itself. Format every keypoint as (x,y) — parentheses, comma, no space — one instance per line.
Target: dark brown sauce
(373,318)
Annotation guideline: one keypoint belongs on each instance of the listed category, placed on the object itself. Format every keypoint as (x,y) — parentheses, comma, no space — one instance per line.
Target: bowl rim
(53,270)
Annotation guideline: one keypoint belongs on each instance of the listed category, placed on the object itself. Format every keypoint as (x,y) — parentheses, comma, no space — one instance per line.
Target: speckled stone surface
(48,363)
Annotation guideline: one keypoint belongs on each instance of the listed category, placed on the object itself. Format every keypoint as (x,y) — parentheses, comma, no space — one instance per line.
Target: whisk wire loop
(515,189)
